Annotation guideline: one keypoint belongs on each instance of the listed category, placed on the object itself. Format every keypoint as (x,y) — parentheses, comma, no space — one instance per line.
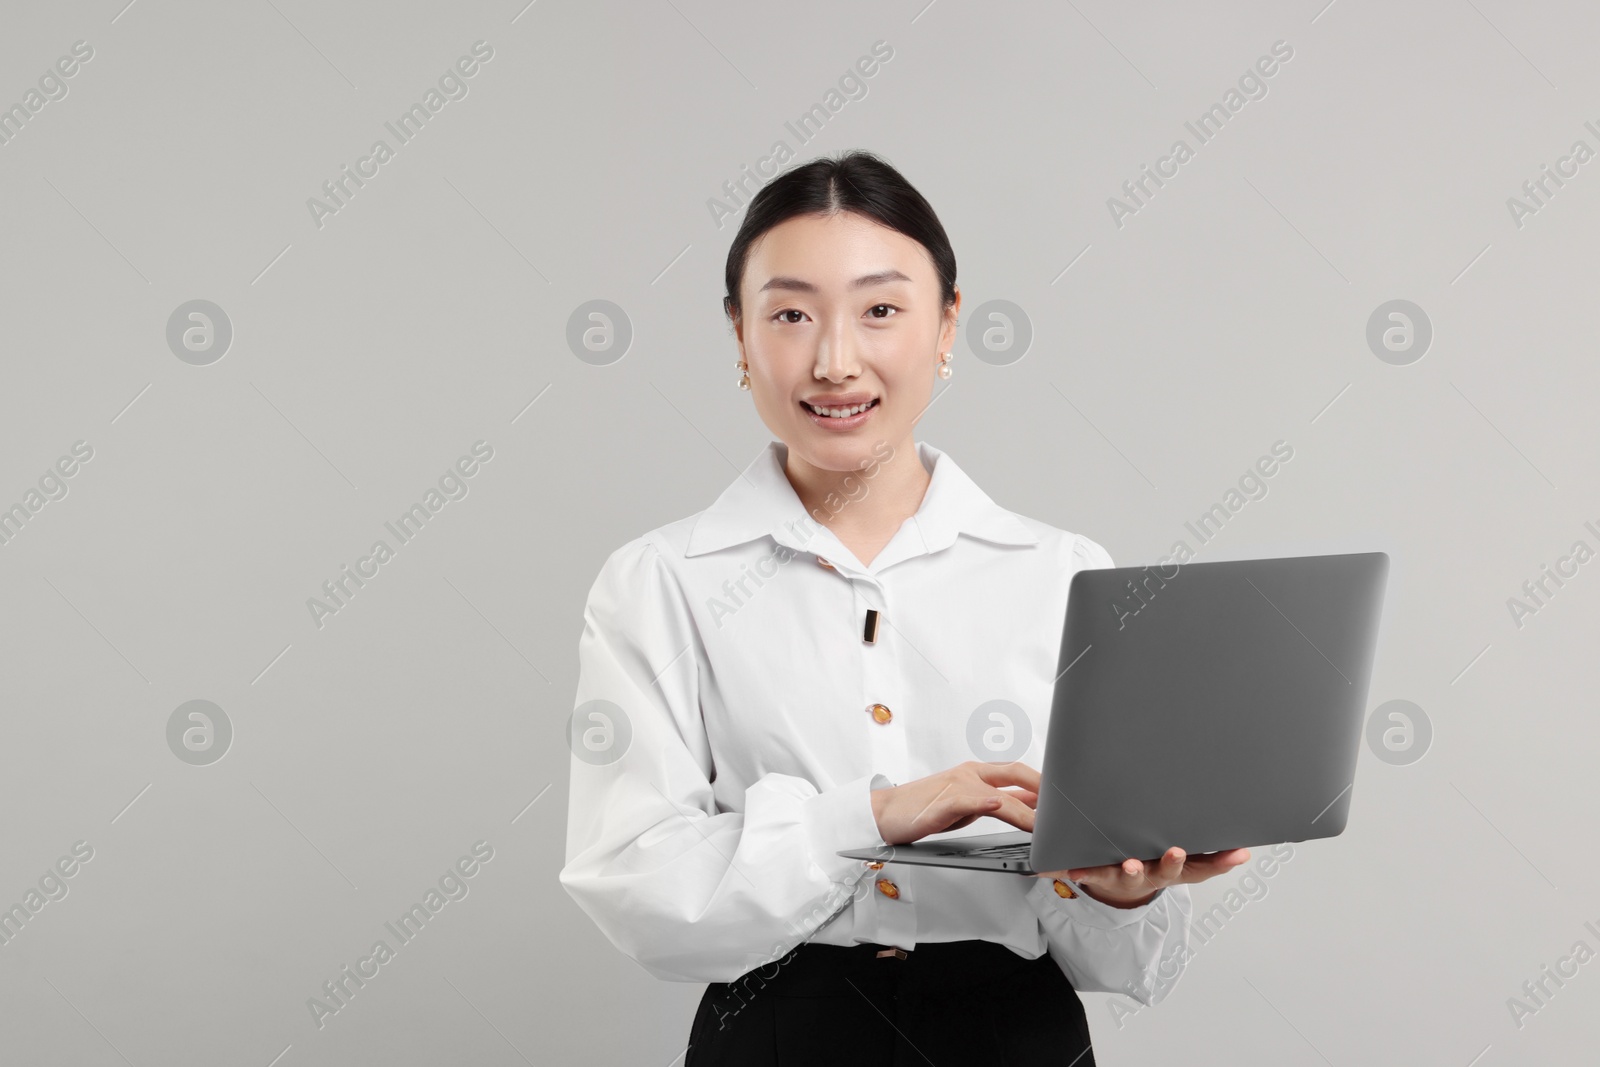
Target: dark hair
(853,181)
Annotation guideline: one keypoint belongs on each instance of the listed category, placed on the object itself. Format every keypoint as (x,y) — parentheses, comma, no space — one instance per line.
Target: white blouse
(730,719)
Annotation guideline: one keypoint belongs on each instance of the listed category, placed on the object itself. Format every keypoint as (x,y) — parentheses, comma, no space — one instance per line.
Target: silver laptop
(1207,705)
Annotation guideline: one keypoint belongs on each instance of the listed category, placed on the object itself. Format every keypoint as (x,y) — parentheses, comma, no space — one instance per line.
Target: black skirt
(945,1004)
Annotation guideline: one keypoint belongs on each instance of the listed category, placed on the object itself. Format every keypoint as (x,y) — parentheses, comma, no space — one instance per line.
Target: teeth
(840,413)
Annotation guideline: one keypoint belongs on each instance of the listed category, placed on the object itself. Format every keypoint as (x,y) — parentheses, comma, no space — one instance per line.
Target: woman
(813,663)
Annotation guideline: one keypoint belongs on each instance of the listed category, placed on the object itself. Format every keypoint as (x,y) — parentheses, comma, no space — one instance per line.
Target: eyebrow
(801,286)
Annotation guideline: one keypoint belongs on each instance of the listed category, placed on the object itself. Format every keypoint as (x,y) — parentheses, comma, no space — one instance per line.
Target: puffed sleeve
(690,892)
(1100,948)
(1138,951)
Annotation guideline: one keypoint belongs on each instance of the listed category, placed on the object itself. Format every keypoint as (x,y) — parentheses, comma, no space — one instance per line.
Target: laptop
(1210,706)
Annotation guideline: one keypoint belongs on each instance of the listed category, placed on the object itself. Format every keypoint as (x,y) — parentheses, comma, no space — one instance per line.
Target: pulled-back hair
(855,181)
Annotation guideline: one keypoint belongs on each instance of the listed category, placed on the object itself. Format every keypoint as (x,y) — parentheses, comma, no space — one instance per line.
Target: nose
(836,357)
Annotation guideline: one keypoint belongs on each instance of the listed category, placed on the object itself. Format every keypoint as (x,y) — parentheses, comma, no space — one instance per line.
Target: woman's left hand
(1132,882)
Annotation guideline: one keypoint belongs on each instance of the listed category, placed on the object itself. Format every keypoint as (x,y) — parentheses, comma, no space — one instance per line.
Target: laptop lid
(1208,705)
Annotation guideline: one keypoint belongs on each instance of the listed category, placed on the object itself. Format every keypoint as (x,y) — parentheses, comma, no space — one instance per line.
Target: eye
(875,307)
(788,311)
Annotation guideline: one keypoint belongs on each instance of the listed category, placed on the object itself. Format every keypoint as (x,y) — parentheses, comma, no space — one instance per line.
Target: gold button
(881,712)
(888,888)
(825,563)
(1064,890)
(874,866)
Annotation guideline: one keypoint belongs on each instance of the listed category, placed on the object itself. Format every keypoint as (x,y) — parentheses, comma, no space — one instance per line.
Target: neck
(862,505)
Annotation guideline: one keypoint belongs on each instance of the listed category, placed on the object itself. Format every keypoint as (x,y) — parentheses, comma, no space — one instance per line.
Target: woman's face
(841,311)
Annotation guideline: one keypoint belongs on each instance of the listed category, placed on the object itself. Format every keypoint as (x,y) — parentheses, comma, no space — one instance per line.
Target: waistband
(820,970)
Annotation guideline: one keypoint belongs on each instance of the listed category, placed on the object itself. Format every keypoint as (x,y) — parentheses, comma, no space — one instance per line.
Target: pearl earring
(744,379)
(944,366)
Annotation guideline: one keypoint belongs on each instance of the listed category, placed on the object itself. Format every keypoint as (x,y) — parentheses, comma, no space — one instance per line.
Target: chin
(852,453)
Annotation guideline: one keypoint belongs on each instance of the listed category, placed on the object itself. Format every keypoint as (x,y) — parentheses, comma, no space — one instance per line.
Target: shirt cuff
(1082,908)
(841,818)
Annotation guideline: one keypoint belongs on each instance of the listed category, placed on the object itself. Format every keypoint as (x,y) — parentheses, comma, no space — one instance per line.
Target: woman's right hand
(953,798)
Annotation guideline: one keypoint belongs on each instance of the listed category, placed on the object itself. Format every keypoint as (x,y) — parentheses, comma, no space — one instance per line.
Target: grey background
(430,312)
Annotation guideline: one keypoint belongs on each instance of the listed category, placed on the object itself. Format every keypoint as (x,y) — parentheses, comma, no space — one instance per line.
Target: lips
(820,407)
(840,424)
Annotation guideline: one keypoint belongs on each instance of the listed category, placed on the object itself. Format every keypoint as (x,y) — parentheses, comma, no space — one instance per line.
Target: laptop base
(976,852)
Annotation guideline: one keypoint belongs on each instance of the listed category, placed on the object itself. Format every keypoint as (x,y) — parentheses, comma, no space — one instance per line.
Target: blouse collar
(761,502)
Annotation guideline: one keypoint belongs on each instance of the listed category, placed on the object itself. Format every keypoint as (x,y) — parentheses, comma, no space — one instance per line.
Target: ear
(949,329)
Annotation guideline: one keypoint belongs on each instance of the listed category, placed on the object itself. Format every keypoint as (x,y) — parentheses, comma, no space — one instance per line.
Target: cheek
(774,397)
(783,364)
(910,390)
(776,384)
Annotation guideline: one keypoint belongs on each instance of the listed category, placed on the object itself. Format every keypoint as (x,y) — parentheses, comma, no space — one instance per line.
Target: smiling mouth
(855,409)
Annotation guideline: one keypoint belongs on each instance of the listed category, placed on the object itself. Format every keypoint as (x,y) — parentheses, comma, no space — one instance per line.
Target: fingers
(1132,872)
(1027,796)
(1242,854)
(1210,864)
(1015,807)
(1173,867)
(1170,868)
(1095,874)
(998,774)
(1014,811)
(1016,792)
(963,809)
(960,796)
